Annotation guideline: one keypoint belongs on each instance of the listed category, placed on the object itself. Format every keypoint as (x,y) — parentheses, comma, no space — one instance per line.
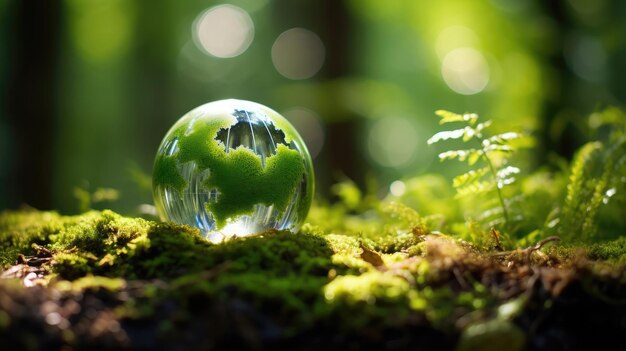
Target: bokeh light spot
(465,71)
(224,31)
(298,53)
(397,188)
(308,124)
(392,142)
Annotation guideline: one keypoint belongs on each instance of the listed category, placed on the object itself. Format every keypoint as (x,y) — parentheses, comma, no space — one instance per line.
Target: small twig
(539,245)
(529,250)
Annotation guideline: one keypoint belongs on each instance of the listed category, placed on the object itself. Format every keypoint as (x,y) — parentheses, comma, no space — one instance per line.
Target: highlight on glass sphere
(233,168)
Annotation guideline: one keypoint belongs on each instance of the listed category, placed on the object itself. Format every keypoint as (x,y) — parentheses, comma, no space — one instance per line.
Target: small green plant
(596,177)
(492,153)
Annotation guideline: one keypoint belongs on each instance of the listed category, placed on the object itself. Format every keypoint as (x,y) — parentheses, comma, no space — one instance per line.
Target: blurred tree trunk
(342,144)
(154,68)
(31,99)
(331,21)
(154,73)
(558,133)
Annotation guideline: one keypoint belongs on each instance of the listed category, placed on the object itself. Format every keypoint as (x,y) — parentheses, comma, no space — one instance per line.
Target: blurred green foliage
(118,74)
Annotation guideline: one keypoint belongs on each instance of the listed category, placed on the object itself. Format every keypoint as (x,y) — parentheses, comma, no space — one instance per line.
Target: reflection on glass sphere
(233,168)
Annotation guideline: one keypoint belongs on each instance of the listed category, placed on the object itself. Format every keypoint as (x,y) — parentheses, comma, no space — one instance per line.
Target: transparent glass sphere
(233,167)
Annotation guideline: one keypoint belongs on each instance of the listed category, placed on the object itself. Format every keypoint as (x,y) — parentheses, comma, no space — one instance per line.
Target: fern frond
(579,202)
(605,185)
(497,147)
(513,200)
(507,171)
(505,176)
(504,137)
(446,135)
(466,133)
(449,117)
(589,226)
(481,126)
(469,177)
(577,177)
(496,222)
(492,151)
(490,213)
(461,155)
(475,188)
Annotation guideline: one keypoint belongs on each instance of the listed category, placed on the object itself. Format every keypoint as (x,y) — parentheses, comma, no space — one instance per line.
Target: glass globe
(233,168)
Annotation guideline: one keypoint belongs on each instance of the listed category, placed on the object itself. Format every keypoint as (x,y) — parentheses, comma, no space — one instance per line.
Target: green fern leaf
(577,174)
(475,188)
(490,213)
(504,137)
(473,158)
(497,148)
(469,177)
(578,201)
(507,171)
(461,155)
(492,151)
(449,117)
(446,135)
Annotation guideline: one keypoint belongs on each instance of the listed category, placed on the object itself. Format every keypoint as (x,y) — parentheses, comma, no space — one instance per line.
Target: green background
(89,88)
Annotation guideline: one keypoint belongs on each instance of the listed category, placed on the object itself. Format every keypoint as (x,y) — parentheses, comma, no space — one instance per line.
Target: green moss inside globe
(233,167)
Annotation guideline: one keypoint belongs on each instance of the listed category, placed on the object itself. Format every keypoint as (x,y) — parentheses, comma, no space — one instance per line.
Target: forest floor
(103,281)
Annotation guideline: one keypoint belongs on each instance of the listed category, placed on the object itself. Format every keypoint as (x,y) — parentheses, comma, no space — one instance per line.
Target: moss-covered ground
(103,281)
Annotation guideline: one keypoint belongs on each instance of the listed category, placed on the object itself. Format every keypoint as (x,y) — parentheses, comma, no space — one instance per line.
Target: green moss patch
(155,285)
